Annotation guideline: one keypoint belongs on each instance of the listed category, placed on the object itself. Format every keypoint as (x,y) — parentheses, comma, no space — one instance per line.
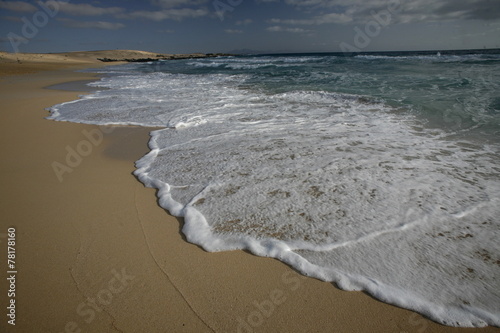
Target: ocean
(377,171)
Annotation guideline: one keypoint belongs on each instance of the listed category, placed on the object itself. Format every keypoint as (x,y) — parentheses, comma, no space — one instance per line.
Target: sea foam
(343,187)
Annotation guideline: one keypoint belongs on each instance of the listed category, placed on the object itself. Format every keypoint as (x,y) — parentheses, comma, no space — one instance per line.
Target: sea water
(379,172)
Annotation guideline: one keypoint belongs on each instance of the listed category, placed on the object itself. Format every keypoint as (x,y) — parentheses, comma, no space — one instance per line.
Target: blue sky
(184,26)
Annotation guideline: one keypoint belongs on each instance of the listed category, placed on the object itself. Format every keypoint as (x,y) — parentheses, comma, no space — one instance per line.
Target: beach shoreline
(96,253)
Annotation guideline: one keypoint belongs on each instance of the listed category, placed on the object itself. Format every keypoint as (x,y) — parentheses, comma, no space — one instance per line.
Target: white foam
(342,187)
(431,57)
(255,63)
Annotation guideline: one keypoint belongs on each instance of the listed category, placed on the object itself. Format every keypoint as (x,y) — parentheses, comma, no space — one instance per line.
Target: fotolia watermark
(31,26)
(372,28)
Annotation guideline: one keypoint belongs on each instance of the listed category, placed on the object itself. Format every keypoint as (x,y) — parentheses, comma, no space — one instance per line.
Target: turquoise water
(377,171)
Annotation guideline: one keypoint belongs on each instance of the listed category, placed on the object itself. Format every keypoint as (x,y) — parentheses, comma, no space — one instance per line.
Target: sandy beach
(94,252)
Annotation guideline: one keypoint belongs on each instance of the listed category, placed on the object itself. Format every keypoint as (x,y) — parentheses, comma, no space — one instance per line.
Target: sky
(259,26)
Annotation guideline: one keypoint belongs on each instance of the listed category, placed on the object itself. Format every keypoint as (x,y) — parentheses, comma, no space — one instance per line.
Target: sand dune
(19,63)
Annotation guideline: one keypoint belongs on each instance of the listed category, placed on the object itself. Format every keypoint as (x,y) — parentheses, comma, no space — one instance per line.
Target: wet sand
(95,252)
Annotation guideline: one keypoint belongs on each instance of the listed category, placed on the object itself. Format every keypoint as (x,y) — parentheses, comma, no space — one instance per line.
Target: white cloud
(18,6)
(407,11)
(233,31)
(91,24)
(333,18)
(441,10)
(12,18)
(278,28)
(167,14)
(177,3)
(322,19)
(244,22)
(170,9)
(83,9)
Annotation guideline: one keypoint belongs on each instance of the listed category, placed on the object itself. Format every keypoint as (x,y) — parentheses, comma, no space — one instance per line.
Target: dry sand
(95,252)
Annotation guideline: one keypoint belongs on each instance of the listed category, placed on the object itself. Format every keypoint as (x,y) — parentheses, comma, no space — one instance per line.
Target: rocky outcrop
(167,57)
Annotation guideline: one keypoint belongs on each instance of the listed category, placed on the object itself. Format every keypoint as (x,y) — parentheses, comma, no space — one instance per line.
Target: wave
(438,57)
(342,186)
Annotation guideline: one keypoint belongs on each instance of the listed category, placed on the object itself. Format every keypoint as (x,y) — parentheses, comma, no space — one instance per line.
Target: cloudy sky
(182,26)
